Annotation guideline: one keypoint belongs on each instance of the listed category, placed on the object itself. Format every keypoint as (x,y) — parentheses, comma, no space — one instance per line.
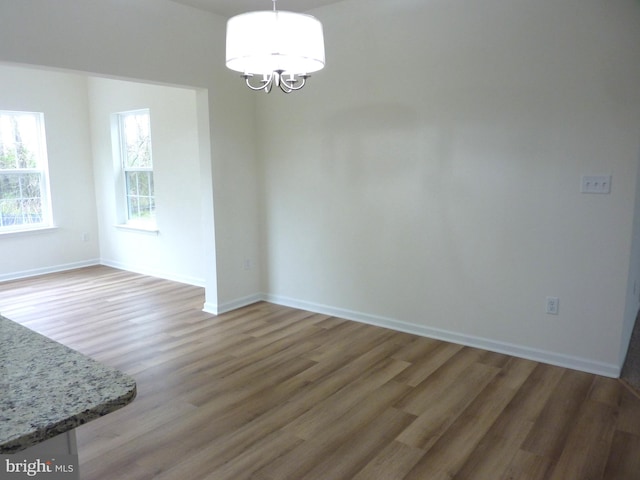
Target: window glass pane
(23,184)
(143,205)
(132,183)
(9,185)
(31,210)
(140,201)
(20,198)
(136,130)
(7,157)
(9,215)
(137,165)
(144,187)
(30,185)
(19,140)
(132,203)
(20,211)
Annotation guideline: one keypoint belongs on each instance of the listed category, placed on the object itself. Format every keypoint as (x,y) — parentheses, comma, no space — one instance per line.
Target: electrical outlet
(552,305)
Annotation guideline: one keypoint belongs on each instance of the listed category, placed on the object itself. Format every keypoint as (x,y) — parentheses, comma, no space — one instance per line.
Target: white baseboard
(197,282)
(211,308)
(50,269)
(217,309)
(552,358)
(561,360)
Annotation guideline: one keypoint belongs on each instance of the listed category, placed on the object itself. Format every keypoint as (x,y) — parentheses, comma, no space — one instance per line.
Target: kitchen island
(48,389)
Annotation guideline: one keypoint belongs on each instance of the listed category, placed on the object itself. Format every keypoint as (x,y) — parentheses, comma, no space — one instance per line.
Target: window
(24,188)
(137,168)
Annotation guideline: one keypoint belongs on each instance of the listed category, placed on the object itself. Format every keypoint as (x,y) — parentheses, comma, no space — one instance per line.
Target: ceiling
(228,8)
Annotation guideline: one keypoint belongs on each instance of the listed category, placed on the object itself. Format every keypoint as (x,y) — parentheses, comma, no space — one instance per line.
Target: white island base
(63,444)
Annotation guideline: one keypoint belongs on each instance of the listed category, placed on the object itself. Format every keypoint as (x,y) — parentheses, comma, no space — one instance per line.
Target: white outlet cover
(552,305)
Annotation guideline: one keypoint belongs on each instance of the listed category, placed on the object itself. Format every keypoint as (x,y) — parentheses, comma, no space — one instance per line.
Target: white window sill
(149,230)
(27,231)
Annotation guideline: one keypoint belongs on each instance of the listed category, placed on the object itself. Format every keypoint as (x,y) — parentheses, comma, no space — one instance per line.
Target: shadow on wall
(404,196)
(372,143)
(376,180)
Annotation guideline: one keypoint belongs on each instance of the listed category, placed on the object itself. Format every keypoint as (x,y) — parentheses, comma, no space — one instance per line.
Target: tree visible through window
(24,197)
(137,166)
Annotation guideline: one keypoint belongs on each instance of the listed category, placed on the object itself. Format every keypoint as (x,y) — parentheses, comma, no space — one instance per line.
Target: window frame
(134,223)
(42,169)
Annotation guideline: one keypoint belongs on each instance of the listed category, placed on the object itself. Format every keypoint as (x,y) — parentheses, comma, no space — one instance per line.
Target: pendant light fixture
(281,48)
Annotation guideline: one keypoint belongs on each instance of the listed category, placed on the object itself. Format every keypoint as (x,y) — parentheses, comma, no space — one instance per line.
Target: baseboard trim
(50,269)
(552,358)
(210,307)
(217,309)
(561,360)
(189,280)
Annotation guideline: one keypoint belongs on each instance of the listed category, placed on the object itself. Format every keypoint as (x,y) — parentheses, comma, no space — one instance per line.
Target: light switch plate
(595,184)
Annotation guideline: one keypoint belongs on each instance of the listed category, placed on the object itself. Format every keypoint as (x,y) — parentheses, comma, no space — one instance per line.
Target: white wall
(164,42)
(428,178)
(177,250)
(62,98)
(633,285)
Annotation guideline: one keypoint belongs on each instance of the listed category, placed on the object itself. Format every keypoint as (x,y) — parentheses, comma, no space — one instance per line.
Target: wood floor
(274,393)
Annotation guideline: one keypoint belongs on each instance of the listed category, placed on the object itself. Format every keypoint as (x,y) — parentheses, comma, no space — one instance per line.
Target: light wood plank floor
(274,393)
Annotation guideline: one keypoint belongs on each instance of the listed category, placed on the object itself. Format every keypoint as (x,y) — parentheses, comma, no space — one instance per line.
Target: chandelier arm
(266,84)
(291,85)
(302,82)
(281,82)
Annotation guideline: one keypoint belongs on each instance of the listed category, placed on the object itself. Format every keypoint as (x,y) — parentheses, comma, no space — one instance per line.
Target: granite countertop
(47,388)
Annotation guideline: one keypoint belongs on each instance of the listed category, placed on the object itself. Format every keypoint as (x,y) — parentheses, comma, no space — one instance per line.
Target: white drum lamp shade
(274,41)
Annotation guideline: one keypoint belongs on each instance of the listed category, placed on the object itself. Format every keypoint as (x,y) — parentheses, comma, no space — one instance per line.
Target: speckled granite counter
(47,389)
